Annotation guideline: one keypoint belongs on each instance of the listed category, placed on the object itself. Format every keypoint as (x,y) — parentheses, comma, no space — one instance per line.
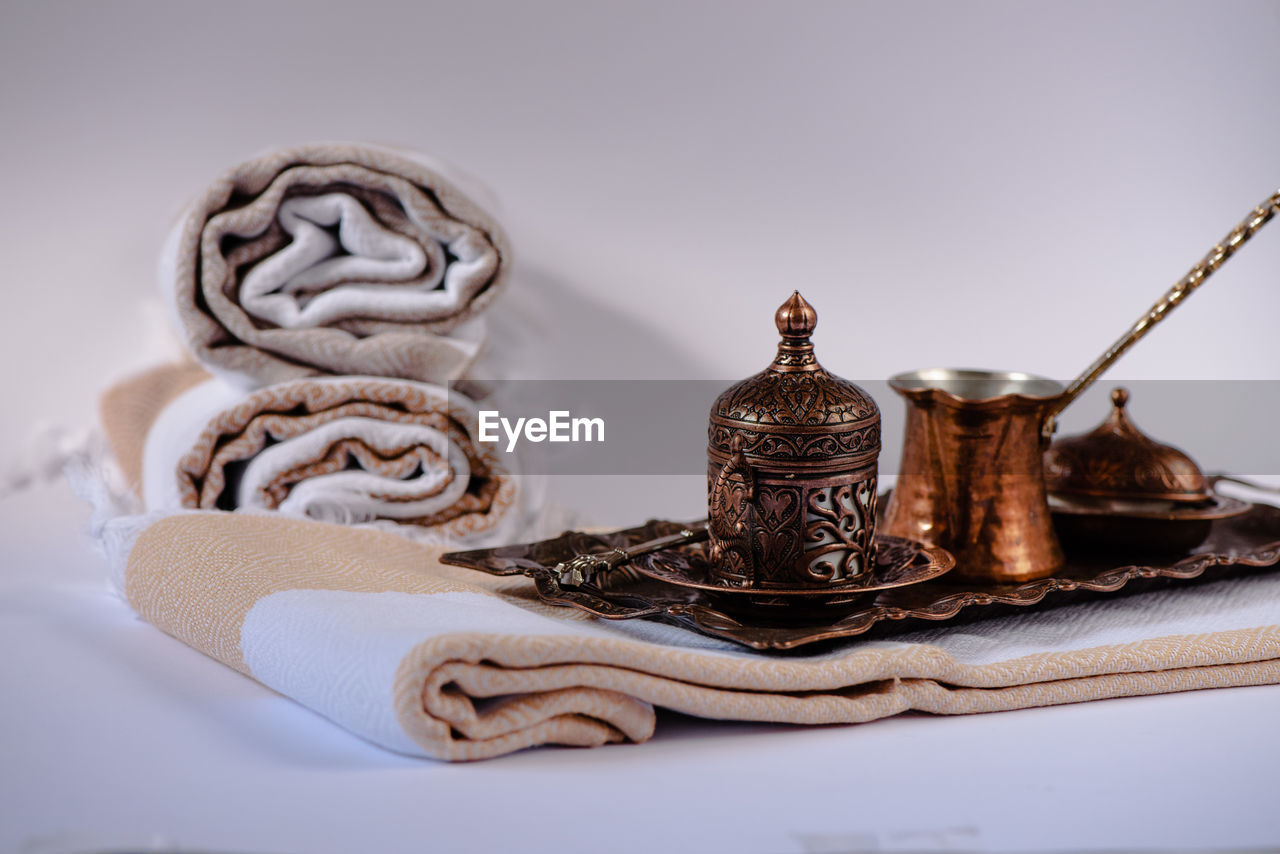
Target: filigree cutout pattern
(837,531)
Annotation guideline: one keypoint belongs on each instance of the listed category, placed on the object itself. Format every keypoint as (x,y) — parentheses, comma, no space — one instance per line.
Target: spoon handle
(582,568)
(1195,277)
(1215,479)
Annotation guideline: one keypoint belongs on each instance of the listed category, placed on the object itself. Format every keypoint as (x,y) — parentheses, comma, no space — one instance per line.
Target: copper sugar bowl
(1116,488)
(792,471)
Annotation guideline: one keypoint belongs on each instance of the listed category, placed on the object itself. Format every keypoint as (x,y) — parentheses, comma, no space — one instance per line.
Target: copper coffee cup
(792,472)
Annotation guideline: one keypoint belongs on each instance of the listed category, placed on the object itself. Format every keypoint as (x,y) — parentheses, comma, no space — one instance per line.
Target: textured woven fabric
(373,632)
(393,454)
(129,408)
(333,259)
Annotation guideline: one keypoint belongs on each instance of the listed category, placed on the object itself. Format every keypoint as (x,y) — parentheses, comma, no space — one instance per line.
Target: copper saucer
(1125,526)
(898,563)
(1214,507)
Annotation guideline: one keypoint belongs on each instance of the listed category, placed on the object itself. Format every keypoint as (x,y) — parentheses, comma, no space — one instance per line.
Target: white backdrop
(991,184)
(1002,185)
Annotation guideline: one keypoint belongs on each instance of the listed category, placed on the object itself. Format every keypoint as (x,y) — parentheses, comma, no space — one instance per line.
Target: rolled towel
(333,259)
(390,454)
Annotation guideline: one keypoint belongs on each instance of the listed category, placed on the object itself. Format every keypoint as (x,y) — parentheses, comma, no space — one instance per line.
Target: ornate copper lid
(794,412)
(1119,461)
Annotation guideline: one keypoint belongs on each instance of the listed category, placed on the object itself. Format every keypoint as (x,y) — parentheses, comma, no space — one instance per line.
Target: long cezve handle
(1184,288)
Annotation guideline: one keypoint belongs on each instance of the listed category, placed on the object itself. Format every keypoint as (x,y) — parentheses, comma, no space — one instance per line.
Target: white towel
(374,633)
(333,259)
(390,454)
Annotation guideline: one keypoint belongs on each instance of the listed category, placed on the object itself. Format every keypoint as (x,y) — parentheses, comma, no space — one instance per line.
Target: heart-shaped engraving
(777,505)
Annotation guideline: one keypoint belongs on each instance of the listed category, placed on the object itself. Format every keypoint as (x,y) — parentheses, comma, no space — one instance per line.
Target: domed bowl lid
(1118,461)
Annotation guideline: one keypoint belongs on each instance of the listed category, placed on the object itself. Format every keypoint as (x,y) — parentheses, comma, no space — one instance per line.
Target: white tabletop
(116,735)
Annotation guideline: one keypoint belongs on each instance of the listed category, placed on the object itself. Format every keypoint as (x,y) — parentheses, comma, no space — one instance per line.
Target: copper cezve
(971,479)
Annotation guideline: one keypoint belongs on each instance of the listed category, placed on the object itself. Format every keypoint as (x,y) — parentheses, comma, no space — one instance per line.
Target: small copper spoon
(583,568)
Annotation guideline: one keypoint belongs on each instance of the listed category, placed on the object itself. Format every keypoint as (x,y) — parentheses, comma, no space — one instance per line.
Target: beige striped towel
(333,259)
(373,632)
(391,454)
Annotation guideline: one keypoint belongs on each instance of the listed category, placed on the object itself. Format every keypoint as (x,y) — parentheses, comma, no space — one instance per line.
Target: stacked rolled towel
(331,290)
(390,454)
(333,259)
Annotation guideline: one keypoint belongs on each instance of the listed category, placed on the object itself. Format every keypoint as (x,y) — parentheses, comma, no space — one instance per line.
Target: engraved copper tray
(1244,543)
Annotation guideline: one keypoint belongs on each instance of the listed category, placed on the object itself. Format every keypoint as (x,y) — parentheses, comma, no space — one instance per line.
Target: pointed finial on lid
(1118,418)
(796,318)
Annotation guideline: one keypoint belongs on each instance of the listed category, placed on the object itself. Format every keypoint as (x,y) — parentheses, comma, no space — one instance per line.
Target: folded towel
(373,632)
(333,259)
(392,454)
